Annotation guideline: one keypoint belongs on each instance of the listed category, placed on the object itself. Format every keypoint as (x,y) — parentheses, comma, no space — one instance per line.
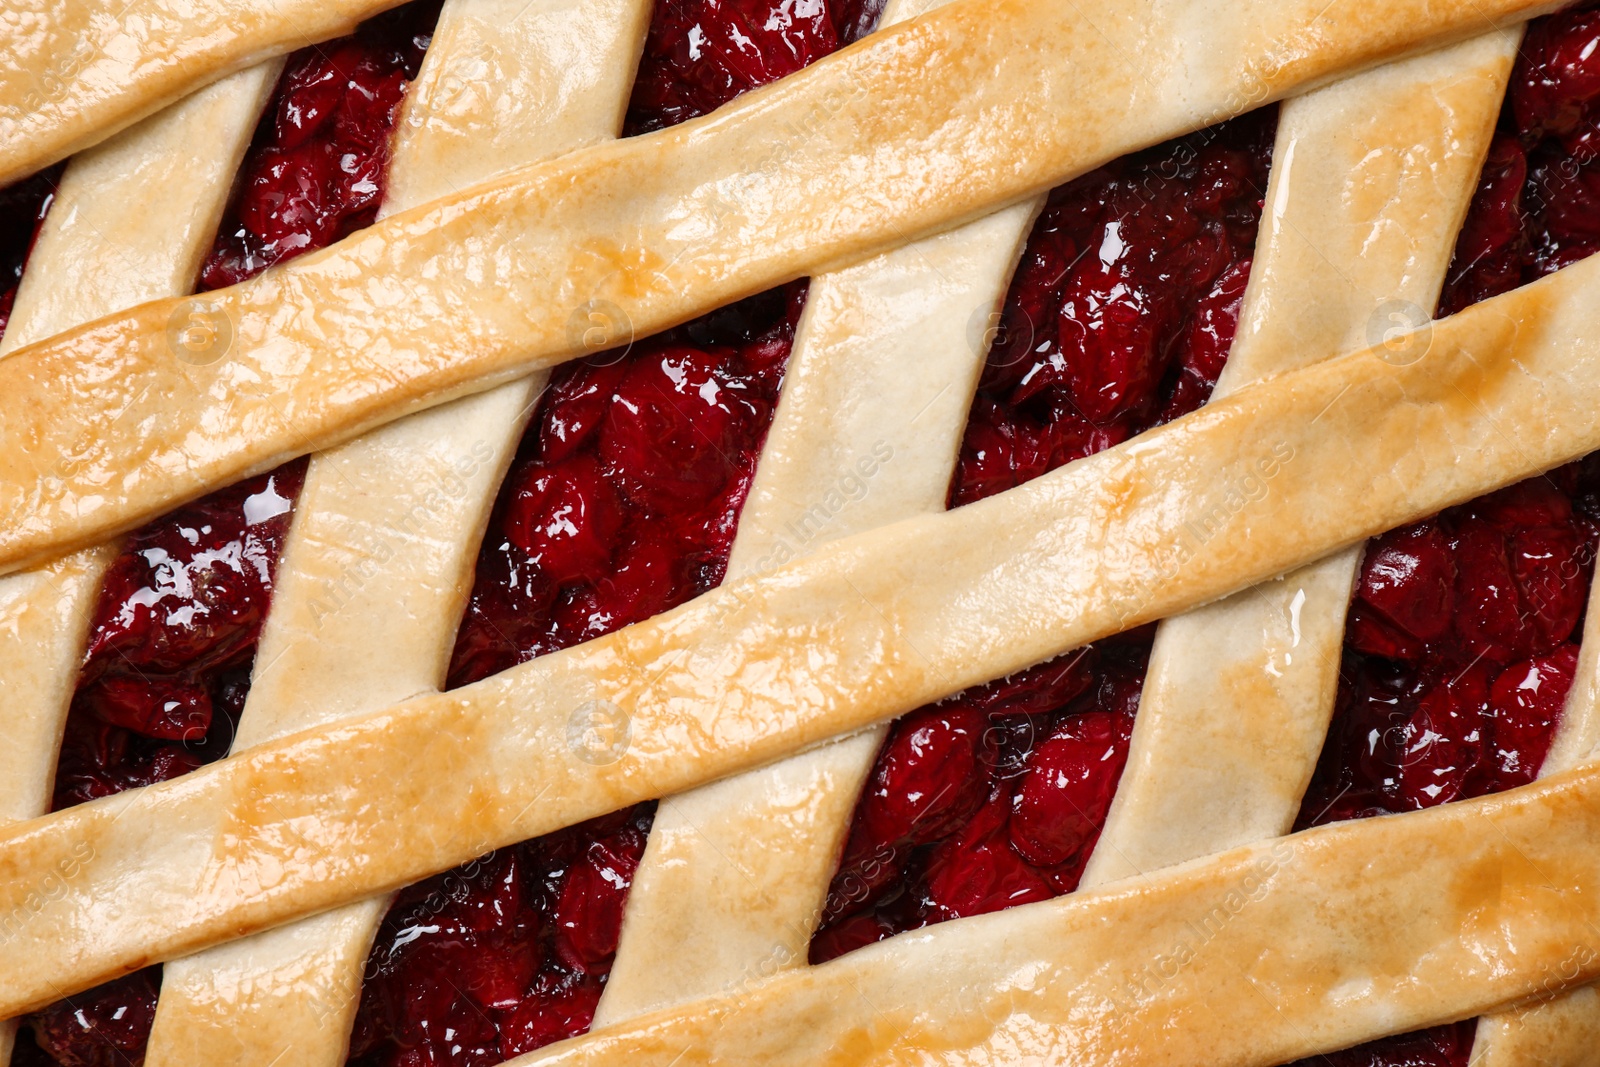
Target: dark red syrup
(175,629)
(1119,318)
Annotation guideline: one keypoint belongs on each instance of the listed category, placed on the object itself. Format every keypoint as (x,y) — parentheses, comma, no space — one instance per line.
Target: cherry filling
(622,502)
(175,629)
(1460,648)
(23,207)
(700,54)
(1537,207)
(625,493)
(1123,307)
(1462,638)
(317,166)
(1119,318)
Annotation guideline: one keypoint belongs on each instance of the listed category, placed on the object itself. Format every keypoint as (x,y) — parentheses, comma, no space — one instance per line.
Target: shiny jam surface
(23,206)
(1119,318)
(700,54)
(316,169)
(622,501)
(1537,207)
(1463,635)
(175,629)
(625,493)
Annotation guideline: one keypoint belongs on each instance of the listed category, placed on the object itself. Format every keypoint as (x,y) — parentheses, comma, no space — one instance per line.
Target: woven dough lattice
(987,531)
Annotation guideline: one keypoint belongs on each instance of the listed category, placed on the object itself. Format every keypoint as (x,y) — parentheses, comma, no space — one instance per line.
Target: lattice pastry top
(749,531)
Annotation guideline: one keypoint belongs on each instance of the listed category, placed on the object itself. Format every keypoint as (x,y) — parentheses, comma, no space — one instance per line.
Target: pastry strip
(1372,178)
(78,71)
(1287,948)
(901,137)
(131,221)
(864,629)
(379,562)
(885,363)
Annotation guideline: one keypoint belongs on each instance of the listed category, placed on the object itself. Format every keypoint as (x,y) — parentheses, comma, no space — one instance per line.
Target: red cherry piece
(173,636)
(1063,797)
(1442,744)
(315,170)
(627,488)
(668,435)
(1537,208)
(565,518)
(1407,582)
(976,871)
(574,406)
(702,53)
(588,915)
(1488,608)
(928,780)
(1525,704)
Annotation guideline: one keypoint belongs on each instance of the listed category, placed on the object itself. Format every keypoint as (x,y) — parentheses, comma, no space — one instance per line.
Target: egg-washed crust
(1372,179)
(395,517)
(1292,947)
(865,629)
(78,71)
(915,129)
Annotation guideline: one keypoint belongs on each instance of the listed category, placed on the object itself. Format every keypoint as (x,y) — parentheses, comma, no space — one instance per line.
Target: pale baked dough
(77,71)
(379,562)
(884,367)
(862,630)
(885,363)
(131,221)
(914,130)
(1370,182)
(1251,958)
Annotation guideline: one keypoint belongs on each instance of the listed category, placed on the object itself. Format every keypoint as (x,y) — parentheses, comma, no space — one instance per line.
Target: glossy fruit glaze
(316,169)
(22,210)
(622,502)
(1463,635)
(1120,317)
(1461,645)
(700,54)
(175,629)
(1537,207)
(1123,306)
(625,493)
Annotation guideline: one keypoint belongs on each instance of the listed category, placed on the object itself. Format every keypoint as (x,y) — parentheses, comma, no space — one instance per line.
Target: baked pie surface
(727,607)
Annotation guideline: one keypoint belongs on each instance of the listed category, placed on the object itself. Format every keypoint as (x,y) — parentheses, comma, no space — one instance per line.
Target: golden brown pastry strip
(1373,176)
(131,221)
(916,129)
(77,71)
(334,646)
(1292,947)
(865,629)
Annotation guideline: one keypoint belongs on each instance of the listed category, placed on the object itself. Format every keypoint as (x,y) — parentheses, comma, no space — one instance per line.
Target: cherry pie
(754,531)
